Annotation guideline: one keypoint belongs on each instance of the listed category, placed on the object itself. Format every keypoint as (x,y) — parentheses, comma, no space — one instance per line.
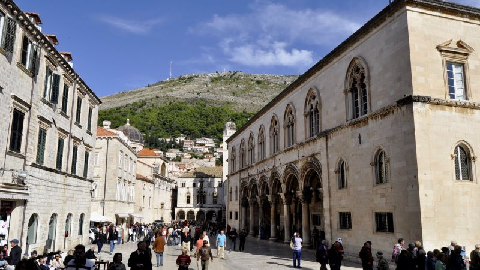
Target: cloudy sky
(119,45)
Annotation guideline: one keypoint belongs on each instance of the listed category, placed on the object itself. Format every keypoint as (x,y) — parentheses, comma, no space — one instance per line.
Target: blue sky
(119,45)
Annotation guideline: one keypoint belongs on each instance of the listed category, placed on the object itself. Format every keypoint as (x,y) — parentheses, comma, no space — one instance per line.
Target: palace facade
(376,141)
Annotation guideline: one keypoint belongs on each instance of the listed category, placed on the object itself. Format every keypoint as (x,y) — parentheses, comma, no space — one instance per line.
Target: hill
(194,105)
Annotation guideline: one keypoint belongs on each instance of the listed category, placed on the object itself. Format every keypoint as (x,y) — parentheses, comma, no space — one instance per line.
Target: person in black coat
(112,238)
(15,252)
(101,239)
(139,259)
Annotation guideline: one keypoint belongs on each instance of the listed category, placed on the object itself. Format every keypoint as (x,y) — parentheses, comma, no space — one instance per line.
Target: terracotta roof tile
(103,132)
(204,172)
(147,152)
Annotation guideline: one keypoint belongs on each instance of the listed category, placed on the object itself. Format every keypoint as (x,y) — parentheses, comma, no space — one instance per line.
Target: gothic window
(233,159)
(230,194)
(274,135)
(289,119)
(312,113)
(462,163)
(357,89)
(261,144)
(381,167)
(251,149)
(342,174)
(80,224)
(32,229)
(188,198)
(242,154)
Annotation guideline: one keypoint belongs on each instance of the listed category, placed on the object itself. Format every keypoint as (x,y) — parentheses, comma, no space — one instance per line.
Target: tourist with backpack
(204,254)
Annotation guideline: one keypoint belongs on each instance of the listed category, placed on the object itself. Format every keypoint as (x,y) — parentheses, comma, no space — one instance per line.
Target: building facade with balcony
(47,138)
(376,141)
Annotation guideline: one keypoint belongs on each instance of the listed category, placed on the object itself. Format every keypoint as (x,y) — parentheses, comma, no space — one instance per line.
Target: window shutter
(24,50)
(59,154)
(65,98)
(79,109)
(34,59)
(42,136)
(85,167)
(16,131)
(55,88)
(89,126)
(9,37)
(74,160)
(47,75)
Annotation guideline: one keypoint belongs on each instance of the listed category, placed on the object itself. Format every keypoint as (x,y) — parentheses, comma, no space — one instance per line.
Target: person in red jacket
(183,261)
(366,256)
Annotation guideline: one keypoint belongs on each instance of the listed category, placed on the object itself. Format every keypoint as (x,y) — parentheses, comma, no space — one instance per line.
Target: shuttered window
(29,55)
(65,98)
(79,110)
(16,131)
(47,83)
(55,89)
(42,139)
(89,125)
(85,165)
(59,154)
(8,37)
(74,160)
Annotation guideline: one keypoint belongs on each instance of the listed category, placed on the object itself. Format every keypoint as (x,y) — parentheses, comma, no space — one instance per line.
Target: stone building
(47,137)
(200,195)
(115,163)
(232,216)
(376,141)
(154,189)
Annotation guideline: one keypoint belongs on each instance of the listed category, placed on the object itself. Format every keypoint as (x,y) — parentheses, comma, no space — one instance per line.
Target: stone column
(252,222)
(305,224)
(273,226)
(286,218)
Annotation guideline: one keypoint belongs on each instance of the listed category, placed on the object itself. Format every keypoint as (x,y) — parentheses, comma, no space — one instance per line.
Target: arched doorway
(191,215)
(32,231)
(52,233)
(292,207)
(200,216)
(312,193)
(181,215)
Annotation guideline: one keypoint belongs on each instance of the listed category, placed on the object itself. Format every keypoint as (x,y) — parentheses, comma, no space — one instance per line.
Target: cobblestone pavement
(257,255)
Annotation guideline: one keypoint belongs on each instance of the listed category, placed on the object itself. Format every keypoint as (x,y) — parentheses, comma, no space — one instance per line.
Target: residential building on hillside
(376,141)
(200,195)
(188,145)
(47,137)
(115,165)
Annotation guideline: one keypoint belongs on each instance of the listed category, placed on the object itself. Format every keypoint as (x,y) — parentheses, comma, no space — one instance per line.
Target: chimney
(68,57)
(53,39)
(35,19)
(106,124)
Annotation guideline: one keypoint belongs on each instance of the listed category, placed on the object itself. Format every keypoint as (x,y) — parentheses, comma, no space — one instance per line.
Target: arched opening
(200,216)
(52,233)
(274,135)
(80,224)
(381,167)
(68,229)
(163,170)
(32,230)
(312,193)
(289,120)
(181,215)
(190,215)
(211,215)
(293,215)
(463,164)
(357,94)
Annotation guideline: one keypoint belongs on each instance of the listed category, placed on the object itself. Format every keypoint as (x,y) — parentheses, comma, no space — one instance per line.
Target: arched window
(274,135)
(32,229)
(251,149)
(68,225)
(462,163)
(357,89)
(236,193)
(381,167)
(80,224)
(233,159)
(289,119)
(242,154)
(312,113)
(188,198)
(261,144)
(342,174)
(230,194)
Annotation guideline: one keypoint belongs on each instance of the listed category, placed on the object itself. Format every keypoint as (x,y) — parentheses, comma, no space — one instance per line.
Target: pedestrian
(204,254)
(430,262)
(456,260)
(80,260)
(221,242)
(119,234)
(139,259)
(186,239)
(117,263)
(101,239)
(322,255)
(112,237)
(397,248)
(475,258)
(403,261)
(57,263)
(365,255)
(421,258)
(205,238)
(158,248)
(452,246)
(335,256)
(183,261)
(233,237)
(90,254)
(316,236)
(243,238)
(15,254)
(199,244)
(297,250)
(382,263)
(440,264)
(69,256)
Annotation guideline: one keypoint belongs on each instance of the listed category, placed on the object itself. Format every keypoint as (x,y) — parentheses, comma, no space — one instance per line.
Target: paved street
(258,255)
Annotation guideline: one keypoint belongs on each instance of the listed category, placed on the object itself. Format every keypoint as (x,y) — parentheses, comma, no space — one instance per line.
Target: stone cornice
(371,25)
(35,165)
(382,112)
(43,41)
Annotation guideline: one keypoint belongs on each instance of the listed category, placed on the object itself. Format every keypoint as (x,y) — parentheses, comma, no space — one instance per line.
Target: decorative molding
(20,104)
(44,122)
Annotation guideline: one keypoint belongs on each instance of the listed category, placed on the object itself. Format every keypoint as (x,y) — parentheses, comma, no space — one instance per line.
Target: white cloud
(275,35)
(131,26)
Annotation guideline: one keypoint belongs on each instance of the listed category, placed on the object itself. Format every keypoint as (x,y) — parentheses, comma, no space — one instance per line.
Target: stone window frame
(349,221)
(242,154)
(342,183)
(24,107)
(471,159)
(251,149)
(376,225)
(61,135)
(233,159)
(289,126)
(349,106)
(375,168)
(274,134)
(312,108)
(30,67)
(458,55)
(261,143)
(44,124)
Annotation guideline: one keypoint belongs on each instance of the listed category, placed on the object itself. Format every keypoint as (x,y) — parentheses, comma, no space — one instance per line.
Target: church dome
(131,132)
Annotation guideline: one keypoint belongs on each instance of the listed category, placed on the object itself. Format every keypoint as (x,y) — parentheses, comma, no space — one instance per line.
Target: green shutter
(74,160)
(85,166)
(48,72)
(16,132)
(34,60)
(25,43)
(55,89)
(65,98)
(42,136)
(89,126)
(9,36)
(79,109)
(60,154)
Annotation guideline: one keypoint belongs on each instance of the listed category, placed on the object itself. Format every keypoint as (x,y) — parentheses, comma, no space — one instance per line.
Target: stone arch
(312,165)
(290,125)
(312,113)
(181,215)
(191,215)
(357,71)
(264,187)
(275,183)
(291,180)
(290,169)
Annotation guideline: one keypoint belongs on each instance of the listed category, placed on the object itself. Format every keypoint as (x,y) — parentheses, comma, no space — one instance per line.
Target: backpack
(175,233)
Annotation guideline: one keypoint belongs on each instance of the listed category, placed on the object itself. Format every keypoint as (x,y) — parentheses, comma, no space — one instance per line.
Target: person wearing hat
(15,254)
(382,263)
(204,254)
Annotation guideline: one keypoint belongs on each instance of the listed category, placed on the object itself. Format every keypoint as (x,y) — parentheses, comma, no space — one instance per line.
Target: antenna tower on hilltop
(170,70)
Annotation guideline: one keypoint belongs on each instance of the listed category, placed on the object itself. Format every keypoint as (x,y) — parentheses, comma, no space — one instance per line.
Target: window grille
(384,222)
(462,164)
(345,220)
(381,168)
(8,39)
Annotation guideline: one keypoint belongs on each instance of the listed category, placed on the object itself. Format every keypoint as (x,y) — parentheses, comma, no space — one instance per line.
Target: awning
(135,215)
(13,194)
(96,217)
(122,215)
